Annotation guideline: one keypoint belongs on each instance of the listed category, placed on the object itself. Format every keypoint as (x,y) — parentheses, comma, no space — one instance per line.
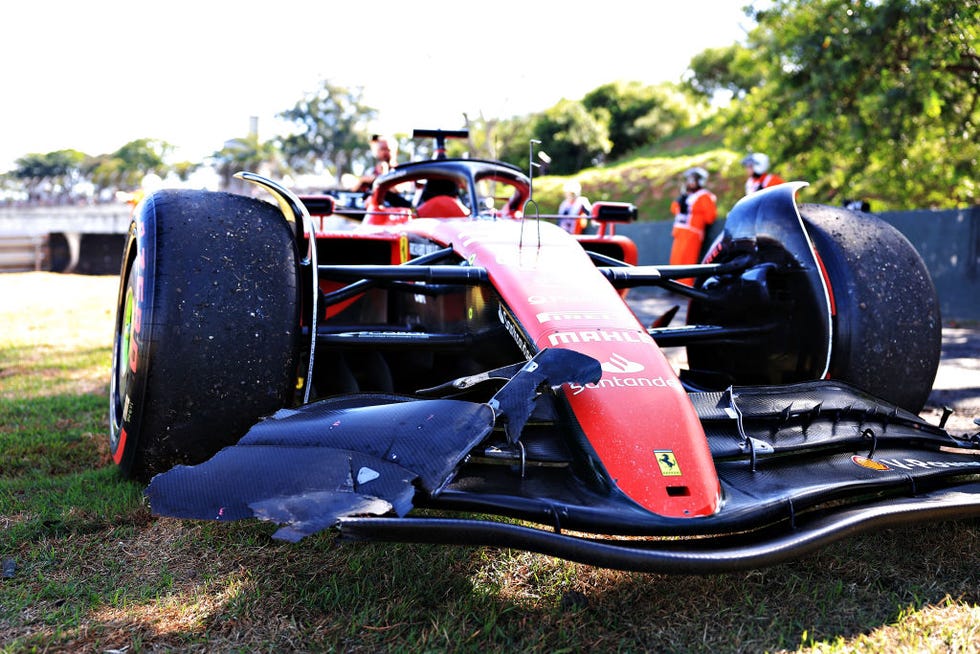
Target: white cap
(758,161)
(698,173)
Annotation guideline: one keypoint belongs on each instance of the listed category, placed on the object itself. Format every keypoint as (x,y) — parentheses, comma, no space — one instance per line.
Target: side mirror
(319,205)
(614,212)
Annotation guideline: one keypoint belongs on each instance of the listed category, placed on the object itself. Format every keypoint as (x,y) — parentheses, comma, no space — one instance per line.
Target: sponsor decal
(418,249)
(626,382)
(559,299)
(515,333)
(599,336)
(865,462)
(127,412)
(553,316)
(668,463)
(524,258)
(618,373)
(912,464)
(618,364)
(403,249)
(137,307)
(410,336)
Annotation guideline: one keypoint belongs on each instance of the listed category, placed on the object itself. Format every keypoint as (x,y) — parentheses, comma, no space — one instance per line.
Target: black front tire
(887,325)
(207,328)
(885,331)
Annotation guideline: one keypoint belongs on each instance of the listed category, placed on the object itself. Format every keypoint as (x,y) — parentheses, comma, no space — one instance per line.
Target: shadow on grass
(53,434)
(382,597)
(170,583)
(95,571)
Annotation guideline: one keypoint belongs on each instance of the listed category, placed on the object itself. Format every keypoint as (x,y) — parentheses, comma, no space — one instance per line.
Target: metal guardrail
(97,219)
(26,233)
(23,253)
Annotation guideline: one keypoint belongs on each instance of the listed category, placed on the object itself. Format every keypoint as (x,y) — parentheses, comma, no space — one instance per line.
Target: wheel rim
(121,364)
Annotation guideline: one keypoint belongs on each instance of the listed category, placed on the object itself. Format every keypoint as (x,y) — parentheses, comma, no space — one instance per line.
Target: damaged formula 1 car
(455,351)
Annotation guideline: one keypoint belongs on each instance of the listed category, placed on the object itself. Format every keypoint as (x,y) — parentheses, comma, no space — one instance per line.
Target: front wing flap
(308,467)
(800,466)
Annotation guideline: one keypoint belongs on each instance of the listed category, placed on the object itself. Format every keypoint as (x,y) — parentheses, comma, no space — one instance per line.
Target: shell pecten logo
(865,462)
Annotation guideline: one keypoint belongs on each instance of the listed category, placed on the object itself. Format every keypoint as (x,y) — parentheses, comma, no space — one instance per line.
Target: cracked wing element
(308,467)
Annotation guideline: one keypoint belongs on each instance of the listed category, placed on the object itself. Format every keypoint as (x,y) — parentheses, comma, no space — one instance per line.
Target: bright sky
(94,75)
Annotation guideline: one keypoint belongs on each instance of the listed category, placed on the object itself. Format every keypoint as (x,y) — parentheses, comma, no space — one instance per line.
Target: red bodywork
(651,445)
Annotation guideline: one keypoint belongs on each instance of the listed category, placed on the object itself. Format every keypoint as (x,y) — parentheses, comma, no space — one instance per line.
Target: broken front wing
(800,466)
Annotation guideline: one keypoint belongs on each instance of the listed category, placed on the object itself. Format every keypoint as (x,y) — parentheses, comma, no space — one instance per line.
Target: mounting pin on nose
(947,412)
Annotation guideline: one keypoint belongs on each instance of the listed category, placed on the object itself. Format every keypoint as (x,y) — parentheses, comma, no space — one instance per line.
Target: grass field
(87,568)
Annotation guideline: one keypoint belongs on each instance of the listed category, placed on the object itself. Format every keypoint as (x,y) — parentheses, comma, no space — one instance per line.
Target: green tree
(572,136)
(127,166)
(637,114)
(104,171)
(249,154)
(53,174)
(184,169)
(870,98)
(511,137)
(734,69)
(331,130)
(482,144)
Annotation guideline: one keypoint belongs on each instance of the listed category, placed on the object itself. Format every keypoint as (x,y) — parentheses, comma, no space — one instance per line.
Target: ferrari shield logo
(668,463)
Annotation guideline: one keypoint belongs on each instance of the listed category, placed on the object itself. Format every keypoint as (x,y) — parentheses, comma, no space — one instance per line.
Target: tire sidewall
(131,350)
(887,323)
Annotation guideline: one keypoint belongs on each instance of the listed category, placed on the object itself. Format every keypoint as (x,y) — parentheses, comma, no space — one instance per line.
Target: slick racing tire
(207,327)
(887,325)
(886,330)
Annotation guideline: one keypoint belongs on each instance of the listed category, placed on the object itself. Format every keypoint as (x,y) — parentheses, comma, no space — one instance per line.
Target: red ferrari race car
(447,365)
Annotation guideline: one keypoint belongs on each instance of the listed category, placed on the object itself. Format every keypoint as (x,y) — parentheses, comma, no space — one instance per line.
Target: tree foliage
(733,68)
(58,171)
(127,166)
(184,169)
(481,142)
(870,98)
(511,138)
(873,99)
(332,129)
(573,137)
(637,114)
(609,122)
(245,153)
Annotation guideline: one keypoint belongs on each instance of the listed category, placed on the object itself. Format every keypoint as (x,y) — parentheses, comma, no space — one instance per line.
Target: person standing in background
(574,209)
(385,151)
(693,210)
(757,168)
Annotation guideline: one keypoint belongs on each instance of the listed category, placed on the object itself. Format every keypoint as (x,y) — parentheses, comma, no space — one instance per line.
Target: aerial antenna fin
(530,190)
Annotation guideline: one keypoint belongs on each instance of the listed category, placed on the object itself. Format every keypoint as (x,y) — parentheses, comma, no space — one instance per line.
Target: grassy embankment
(650,177)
